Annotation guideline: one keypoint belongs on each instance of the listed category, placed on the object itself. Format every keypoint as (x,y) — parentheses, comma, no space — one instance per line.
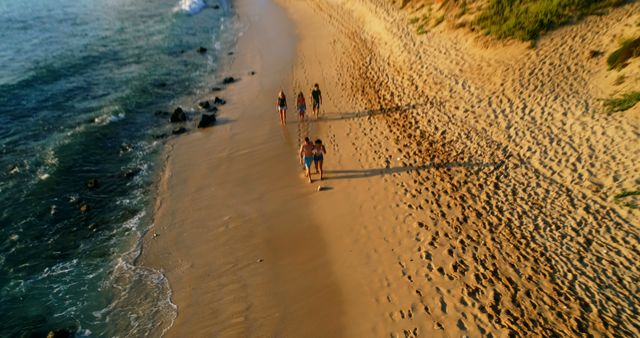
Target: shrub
(618,59)
(623,103)
(526,19)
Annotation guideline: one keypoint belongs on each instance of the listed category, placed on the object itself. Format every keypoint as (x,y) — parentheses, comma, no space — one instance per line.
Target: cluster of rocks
(209,108)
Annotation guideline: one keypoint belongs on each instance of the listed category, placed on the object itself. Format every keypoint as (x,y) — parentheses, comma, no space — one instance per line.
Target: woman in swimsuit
(281,105)
(301,105)
(318,155)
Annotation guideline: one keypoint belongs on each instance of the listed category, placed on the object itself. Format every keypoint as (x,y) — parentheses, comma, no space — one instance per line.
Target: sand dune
(490,172)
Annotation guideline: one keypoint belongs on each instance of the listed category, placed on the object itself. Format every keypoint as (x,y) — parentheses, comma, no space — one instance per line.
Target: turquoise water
(80,83)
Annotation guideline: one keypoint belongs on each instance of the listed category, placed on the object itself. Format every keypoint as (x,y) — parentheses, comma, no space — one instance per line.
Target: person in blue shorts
(306,156)
(301,105)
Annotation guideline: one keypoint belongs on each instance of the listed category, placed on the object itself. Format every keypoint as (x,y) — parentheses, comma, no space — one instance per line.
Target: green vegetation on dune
(526,19)
(629,48)
(622,103)
(627,194)
(633,204)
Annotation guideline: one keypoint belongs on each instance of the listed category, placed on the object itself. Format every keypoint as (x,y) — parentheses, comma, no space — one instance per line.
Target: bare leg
(309,174)
(320,169)
(316,165)
(284,116)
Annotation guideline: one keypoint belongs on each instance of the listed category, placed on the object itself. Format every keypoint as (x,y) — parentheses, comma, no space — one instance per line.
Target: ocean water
(80,84)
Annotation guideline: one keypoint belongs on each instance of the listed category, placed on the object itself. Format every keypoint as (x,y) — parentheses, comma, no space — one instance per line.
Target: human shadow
(364,173)
(366,113)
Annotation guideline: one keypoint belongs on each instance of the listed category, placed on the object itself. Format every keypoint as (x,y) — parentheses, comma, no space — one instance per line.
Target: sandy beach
(469,185)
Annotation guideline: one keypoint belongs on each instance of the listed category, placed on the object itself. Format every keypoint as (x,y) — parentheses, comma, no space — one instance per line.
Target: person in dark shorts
(281,105)
(318,156)
(301,106)
(316,98)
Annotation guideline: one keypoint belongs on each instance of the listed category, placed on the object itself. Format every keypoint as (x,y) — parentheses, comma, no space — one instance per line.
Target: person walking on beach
(301,105)
(316,99)
(281,105)
(306,156)
(318,156)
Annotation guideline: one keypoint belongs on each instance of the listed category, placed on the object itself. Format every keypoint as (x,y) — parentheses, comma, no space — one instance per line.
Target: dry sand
(469,189)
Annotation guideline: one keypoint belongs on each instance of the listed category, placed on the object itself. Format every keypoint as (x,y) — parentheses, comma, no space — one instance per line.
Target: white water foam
(115,115)
(191,6)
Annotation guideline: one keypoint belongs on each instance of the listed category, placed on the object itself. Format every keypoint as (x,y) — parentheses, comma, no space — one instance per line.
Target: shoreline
(457,180)
(246,252)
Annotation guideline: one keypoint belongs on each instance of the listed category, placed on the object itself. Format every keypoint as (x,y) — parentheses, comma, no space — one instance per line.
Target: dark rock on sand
(595,53)
(229,80)
(207,120)
(252,73)
(204,104)
(202,50)
(178,116)
(92,183)
(179,131)
(216,89)
(219,101)
(230,53)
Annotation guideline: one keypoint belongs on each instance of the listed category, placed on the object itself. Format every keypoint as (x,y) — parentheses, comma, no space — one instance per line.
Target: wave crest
(191,6)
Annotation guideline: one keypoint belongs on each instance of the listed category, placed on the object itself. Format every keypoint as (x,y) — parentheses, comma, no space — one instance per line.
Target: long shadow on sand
(325,117)
(364,173)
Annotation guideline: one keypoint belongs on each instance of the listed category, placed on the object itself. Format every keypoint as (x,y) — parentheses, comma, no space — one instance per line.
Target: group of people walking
(301,104)
(311,153)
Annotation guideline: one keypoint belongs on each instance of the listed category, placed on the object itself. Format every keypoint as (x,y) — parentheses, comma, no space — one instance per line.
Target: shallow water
(80,83)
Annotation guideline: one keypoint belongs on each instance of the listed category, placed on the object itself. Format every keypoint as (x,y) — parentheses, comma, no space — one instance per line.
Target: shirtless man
(306,156)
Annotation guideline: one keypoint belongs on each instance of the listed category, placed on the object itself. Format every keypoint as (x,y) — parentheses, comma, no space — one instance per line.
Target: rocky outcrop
(219,101)
(92,183)
(131,173)
(207,120)
(178,116)
(229,80)
(61,333)
(179,131)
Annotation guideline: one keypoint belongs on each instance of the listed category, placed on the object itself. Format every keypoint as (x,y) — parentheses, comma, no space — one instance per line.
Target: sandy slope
(482,178)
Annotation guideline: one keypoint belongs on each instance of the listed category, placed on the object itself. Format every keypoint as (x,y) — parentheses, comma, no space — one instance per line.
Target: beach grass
(629,48)
(627,194)
(622,103)
(527,19)
(630,204)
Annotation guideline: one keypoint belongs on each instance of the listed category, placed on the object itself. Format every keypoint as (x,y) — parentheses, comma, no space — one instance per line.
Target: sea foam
(191,6)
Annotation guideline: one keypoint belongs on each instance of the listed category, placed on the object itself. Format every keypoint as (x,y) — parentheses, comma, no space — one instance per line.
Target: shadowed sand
(468,192)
